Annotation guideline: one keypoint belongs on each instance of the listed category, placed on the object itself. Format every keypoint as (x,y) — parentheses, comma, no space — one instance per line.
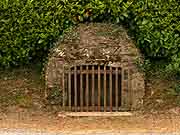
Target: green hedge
(30,27)
(156,26)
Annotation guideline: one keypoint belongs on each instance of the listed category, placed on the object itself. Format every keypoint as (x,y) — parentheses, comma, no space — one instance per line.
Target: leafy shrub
(30,27)
(156,27)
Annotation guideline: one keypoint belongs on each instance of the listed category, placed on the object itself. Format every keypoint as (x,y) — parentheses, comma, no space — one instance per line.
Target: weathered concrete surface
(95,114)
(26,132)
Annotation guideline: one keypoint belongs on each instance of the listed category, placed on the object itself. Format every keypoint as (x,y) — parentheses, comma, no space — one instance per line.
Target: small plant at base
(143,65)
(177,89)
(55,96)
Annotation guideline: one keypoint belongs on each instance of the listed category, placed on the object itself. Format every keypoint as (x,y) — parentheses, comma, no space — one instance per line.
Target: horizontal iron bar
(91,108)
(95,114)
(95,72)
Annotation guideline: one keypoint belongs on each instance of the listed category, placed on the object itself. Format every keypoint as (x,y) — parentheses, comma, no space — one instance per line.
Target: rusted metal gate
(93,88)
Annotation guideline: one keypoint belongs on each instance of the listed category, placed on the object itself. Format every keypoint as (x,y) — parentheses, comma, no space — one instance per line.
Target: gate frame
(126,90)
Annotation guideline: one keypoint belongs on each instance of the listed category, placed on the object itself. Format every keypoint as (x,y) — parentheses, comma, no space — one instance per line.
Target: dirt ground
(22,106)
(39,121)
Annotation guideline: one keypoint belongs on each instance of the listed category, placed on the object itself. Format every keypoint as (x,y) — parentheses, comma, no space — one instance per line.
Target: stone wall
(104,44)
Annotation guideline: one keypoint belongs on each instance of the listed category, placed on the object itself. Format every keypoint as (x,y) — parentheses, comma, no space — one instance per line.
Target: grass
(161,88)
(22,87)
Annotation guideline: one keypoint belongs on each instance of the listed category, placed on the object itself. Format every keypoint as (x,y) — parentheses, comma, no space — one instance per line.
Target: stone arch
(99,44)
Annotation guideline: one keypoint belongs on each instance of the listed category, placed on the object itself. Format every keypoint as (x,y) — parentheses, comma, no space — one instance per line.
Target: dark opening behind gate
(92,88)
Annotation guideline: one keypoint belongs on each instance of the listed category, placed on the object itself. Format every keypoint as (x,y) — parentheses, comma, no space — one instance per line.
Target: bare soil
(22,106)
(38,121)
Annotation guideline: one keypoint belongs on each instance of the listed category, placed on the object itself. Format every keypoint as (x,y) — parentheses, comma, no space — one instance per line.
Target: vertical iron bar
(93,104)
(69,74)
(110,85)
(99,89)
(122,87)
(75,87)
(116,87)
(128,88)
(87,88)
(81,88)
(105,88)
(129,85)
(63,89)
